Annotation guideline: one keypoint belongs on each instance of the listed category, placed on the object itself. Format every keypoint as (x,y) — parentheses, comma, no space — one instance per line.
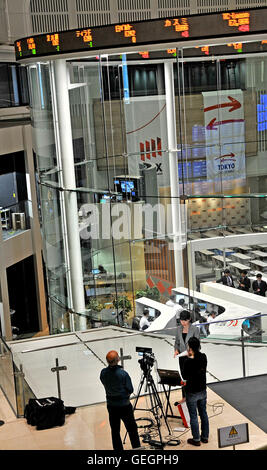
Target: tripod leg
(154,406)
(136,400)
(139,391)
(158,400)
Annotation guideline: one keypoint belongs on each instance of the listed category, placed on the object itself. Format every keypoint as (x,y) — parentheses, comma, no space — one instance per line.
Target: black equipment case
(45,413)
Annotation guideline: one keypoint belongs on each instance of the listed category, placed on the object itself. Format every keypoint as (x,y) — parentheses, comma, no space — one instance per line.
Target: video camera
(147,360)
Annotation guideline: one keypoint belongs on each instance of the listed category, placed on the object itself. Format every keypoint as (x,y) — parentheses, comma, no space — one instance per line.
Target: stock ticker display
(142,33)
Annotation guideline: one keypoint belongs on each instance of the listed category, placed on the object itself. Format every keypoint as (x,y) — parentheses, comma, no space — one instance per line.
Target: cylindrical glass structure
(152,175)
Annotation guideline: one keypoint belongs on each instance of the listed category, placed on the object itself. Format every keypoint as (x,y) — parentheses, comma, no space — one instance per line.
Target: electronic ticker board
(162,30)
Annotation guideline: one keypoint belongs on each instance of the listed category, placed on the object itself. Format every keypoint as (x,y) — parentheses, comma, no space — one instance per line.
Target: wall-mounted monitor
(127,187)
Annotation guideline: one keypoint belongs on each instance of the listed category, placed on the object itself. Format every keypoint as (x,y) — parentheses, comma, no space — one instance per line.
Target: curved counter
(229,323)
(165,322)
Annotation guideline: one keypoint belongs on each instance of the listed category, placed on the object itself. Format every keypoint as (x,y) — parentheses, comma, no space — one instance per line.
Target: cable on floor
(214,407)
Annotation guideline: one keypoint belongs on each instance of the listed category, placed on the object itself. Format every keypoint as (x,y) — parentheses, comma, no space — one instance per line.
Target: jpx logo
(151,149)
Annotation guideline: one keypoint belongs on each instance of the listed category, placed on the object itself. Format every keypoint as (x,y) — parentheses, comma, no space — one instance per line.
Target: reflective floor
(88,429)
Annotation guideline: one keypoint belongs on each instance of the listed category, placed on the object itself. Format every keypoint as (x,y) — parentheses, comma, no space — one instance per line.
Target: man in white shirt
(144,323)
(177,307)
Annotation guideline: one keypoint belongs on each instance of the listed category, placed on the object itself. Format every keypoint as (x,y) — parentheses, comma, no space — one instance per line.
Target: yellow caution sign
(233,432)
(233,435)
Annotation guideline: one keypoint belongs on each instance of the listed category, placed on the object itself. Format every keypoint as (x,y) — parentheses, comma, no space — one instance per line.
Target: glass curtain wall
(222,165)
(163,149)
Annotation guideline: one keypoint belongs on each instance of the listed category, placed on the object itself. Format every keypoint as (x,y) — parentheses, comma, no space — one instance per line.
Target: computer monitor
(179,297)
(127,186)
(90,292)
(105,198)
(202,305)
(95,271)
(152,312)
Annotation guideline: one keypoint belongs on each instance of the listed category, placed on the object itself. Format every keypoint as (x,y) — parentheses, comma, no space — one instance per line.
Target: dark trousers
(124,413)
(181,363)
(197,402)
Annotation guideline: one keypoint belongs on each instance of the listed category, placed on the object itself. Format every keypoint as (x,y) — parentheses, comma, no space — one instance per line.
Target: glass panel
(125,171)
(89,349)
(46,147)
(222,129)
(13,85)
(7,383)
(37,357)
(237,245)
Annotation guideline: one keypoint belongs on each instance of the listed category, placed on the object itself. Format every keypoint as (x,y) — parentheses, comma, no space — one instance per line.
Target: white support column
(35,229)
(70,198)
(173,167)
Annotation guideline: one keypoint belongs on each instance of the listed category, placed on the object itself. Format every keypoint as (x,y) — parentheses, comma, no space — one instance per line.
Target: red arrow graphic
(233,104)
(231,155)
(212,124)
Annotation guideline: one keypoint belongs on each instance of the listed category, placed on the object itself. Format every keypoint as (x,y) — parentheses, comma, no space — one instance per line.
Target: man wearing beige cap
(118,386)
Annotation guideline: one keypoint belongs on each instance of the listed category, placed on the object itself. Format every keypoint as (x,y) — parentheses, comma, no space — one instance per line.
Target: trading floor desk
(258,264)
(259,254)
(103,284)
(240,257)
(162,316)
(205,255)
(239,267)
(219,261)
(243,300)
(223,324)
(244,248)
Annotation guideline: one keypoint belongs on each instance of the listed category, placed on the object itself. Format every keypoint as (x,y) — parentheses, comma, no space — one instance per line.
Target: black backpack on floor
(45,413)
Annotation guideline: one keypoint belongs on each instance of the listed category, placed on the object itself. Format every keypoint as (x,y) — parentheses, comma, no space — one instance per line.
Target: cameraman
(118,386)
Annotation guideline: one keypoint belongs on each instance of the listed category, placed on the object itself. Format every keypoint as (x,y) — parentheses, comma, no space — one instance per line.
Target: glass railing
(7,381)
(83,356)
(15,218)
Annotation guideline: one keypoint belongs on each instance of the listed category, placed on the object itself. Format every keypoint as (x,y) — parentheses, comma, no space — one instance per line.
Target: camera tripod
(155,403)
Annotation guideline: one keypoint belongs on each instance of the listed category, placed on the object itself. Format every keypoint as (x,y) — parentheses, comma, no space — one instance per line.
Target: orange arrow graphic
(233,104)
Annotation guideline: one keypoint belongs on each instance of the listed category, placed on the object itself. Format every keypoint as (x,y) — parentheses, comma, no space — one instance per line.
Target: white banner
(146,134)
(225,134)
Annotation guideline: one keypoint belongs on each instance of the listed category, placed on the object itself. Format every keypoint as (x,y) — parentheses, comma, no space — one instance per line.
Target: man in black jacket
(227,279)
(259,286)
(118,386)
(244,282)
(194,372)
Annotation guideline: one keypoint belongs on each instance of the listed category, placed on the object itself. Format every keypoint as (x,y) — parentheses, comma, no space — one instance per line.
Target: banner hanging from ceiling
(225,136)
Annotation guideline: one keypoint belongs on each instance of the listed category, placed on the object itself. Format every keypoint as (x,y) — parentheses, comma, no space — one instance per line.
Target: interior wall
(11,139)
(22,295)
